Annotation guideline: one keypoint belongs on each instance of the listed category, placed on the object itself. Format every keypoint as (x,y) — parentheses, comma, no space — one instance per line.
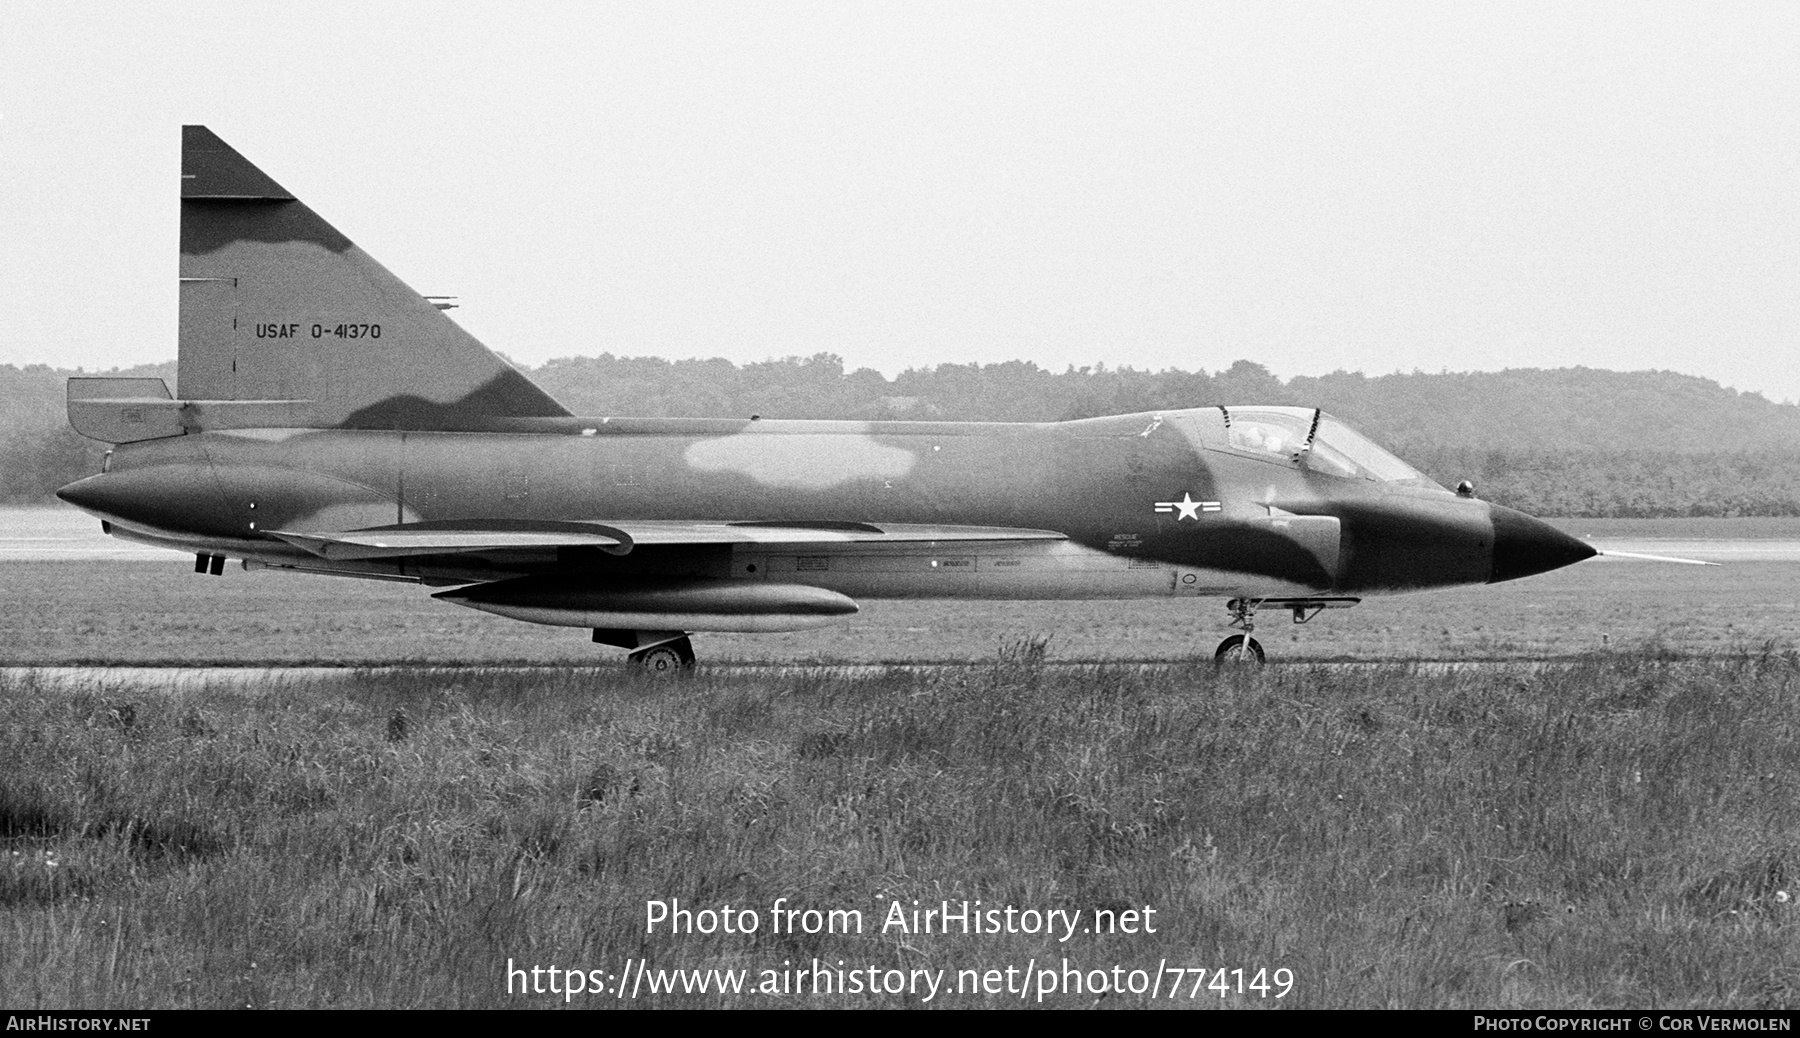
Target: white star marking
(1187,507)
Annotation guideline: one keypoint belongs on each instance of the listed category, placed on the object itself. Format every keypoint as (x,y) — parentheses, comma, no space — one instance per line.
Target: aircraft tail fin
(278,306)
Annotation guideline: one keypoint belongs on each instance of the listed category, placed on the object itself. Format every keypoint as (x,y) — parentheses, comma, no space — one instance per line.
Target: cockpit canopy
(1310,439)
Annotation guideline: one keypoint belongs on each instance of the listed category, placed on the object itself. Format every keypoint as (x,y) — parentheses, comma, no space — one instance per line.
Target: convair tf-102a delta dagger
(332,420)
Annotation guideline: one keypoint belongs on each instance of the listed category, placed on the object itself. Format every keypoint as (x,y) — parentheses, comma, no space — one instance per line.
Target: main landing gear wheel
(666,658)
(1239,648)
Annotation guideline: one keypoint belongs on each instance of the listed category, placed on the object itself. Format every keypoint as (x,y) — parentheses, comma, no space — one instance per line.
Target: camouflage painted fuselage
(1257,527)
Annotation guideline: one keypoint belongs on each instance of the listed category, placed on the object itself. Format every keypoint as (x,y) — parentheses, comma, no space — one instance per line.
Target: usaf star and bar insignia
(1187,507)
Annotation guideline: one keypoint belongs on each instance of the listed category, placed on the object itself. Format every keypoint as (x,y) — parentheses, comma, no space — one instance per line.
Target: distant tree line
(1564,442)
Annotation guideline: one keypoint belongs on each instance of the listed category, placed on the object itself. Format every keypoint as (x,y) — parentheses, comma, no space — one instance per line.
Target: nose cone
(1524,546)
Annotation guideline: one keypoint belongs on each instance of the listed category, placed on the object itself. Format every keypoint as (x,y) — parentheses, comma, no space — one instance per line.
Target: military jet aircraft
(332,420)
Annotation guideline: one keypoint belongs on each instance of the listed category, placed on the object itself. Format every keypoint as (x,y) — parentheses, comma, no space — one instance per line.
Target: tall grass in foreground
(1624,831)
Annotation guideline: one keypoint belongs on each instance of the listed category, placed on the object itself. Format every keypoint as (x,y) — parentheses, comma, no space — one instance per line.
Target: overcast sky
(1374,187)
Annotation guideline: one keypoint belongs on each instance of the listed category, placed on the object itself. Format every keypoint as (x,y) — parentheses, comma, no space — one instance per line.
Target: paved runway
(55,533)
(76,597)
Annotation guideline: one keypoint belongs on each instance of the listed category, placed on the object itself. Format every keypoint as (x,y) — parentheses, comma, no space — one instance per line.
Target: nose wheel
(1239,649)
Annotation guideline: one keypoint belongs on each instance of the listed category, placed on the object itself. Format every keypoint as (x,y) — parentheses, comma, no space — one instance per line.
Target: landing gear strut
(656,652)
(1240,648)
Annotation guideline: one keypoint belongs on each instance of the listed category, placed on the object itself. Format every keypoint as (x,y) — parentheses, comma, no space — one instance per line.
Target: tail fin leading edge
(276,305)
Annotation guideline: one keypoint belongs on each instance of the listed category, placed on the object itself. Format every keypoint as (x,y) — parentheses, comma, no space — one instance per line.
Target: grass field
(1623,831)
(1617,827)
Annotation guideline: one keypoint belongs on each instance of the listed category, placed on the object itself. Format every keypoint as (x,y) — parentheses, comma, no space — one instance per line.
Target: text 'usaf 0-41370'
(332,420)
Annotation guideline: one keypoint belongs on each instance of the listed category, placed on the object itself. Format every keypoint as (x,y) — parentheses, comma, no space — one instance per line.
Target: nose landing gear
(1241,648)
